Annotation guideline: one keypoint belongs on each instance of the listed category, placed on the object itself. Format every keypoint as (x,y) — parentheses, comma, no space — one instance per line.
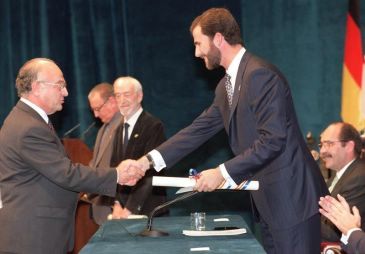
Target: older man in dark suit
(253,103)
(39,184)
(139,134)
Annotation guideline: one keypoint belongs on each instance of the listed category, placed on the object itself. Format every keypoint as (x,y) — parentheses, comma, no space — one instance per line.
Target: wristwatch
(150,161)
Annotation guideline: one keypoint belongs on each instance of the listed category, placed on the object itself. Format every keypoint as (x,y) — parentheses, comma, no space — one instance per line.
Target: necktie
(335,180)
(229,90)
(50,125)
(126,137)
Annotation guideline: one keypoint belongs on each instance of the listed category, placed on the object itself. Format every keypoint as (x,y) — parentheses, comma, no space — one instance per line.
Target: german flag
(351,110)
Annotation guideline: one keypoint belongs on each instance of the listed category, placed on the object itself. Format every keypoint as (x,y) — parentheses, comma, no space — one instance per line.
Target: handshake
(130,171)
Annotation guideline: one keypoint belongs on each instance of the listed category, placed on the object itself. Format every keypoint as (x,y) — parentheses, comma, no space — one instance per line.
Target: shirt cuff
(159,162)
(345,238)
(229,184)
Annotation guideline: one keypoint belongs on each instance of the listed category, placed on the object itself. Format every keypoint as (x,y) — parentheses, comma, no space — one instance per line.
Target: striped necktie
(229,89)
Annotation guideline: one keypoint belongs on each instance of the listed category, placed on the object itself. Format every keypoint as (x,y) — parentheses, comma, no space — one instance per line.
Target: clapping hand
(339,213)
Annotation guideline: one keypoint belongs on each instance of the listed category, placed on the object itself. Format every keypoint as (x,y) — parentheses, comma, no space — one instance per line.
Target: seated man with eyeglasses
(340,148)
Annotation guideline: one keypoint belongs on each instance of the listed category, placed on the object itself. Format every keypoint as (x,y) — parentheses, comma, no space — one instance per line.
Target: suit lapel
(239,82)
(24,107)
(135,135)
(97,146)
(102,148)
(343,178)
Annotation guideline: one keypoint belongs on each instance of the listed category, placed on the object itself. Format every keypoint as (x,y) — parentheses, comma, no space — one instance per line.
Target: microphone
(71,130)
(149,232)
(87,130)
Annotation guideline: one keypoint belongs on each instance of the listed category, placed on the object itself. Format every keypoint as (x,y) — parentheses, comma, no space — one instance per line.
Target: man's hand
(129,172)
(209,180)
(119,212)
(144,163)
(339,213)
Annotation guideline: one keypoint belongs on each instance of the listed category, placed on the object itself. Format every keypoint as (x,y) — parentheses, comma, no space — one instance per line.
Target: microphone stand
(71,130)
(156,233)
(82,136)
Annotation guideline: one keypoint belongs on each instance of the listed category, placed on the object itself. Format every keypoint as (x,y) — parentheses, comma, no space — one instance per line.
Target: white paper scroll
(188,183)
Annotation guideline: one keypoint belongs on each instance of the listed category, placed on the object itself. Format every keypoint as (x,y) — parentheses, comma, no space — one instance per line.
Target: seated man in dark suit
(340,148)
(339,213)
(143,133)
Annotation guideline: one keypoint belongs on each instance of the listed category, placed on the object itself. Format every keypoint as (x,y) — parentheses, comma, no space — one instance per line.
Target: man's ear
(351,145)
(218,40)
(35,87)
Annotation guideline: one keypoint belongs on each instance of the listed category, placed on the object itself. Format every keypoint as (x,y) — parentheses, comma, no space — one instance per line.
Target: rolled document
(189,183)
(173,181)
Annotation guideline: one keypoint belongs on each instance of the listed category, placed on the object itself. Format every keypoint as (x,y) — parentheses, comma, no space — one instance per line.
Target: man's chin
(210,66)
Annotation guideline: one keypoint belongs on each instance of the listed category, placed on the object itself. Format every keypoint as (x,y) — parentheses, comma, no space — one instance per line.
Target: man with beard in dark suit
(253,103)
(139,134)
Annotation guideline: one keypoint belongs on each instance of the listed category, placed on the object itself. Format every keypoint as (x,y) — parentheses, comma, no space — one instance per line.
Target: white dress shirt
(132,122)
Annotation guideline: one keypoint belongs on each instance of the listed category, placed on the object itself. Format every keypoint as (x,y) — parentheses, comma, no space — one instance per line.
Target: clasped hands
(129,172)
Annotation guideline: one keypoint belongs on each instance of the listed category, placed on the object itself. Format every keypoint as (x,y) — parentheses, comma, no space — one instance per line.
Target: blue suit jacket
(264,135)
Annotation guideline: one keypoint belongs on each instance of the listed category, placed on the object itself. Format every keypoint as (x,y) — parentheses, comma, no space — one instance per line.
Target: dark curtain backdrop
(100,40)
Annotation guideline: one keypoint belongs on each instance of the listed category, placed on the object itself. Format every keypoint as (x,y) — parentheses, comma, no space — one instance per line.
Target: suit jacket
(265,137)
(351,186)
(39,186)
(103,150)
(103,143)
(356,243)
(147,134)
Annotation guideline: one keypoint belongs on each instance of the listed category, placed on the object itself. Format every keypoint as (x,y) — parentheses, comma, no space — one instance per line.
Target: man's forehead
(95,97)
(332,131)
(124,87)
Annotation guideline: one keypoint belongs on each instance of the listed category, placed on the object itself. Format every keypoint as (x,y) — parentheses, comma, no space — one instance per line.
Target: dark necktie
(125,139)
(229,90)
(50,125)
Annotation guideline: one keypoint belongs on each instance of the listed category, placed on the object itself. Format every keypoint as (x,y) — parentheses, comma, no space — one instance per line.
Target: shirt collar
(40,111)
(343,170)
(234,65)
(133,119)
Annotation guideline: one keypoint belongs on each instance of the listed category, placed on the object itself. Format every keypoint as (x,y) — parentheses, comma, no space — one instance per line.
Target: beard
(213,57)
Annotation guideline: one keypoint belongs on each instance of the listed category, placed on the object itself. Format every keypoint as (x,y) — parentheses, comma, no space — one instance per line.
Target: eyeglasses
(60,84)
(97,109)
(329,143)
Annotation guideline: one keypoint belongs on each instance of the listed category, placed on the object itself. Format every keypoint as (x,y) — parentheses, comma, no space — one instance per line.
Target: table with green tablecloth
(121,236)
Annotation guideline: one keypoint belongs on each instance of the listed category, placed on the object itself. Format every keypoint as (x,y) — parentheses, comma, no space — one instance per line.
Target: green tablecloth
(122,237)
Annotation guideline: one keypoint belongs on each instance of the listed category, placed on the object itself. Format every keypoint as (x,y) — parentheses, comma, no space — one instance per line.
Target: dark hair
(349,133)
(218,20)
(29,73)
